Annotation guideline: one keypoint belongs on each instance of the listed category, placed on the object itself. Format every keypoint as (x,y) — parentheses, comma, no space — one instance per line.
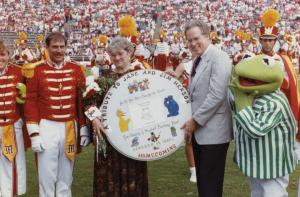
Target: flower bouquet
(92,98)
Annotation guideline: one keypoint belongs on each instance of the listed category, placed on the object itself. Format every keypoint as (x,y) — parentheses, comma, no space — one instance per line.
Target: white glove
(297,145)
(85,140)
(37,144)
(84,136)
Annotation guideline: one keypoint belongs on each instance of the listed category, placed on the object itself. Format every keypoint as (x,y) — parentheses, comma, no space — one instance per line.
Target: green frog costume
(265,128)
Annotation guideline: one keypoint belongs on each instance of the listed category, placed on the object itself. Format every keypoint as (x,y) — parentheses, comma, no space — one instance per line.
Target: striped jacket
(265,137)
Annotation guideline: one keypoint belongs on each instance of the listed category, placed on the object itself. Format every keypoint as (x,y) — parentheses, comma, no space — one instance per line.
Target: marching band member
(161,53)
(215,40)
(268,36)
(23,55)
(244,49)
(12,154)
(55,119)
(140,53)
(175,50)
(101,61)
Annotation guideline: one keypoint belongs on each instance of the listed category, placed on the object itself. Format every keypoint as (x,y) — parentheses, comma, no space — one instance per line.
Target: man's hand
(37,144)
(189,127)
(85,140)
(84,136)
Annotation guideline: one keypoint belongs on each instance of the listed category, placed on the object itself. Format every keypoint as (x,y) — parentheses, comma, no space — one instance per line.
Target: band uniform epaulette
(28,69)
(83,69)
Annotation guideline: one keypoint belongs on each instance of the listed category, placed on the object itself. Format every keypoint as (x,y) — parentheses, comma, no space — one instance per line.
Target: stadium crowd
(172,36)
(83,20)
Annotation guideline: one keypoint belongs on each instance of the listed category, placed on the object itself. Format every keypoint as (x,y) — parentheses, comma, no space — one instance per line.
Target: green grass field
(168,177)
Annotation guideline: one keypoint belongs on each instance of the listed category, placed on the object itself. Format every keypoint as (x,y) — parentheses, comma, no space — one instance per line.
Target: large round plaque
(143,112)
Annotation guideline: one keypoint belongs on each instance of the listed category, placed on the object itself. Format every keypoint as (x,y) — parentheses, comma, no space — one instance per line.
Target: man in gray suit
(210,128)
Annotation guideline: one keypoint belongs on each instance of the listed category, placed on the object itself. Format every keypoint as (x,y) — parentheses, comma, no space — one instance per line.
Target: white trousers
(54,168)
(6,167)
(269,187)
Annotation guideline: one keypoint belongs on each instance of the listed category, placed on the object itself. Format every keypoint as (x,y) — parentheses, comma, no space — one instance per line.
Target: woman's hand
(97,127)
(178,72)
(171,72)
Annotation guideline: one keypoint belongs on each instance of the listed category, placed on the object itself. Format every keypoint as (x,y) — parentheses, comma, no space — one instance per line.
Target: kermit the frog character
(264,125)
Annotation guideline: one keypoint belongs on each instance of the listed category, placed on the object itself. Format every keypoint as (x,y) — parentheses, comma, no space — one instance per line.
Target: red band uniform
(12,154)
(54,109)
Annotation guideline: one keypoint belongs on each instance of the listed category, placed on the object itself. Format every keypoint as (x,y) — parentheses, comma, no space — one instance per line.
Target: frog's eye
(268,61)
(247,56)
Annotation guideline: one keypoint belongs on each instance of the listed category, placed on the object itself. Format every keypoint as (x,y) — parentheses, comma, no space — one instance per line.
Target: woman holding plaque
(114,174)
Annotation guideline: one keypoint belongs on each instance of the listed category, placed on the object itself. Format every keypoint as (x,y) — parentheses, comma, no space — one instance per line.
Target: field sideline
(167,178)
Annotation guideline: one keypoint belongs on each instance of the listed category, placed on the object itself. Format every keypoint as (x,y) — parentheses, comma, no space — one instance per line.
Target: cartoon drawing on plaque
(172,106)
(135,142)
(144,85)
(123,123)
(138,86)
(153,138)
(173,131)
(134,87)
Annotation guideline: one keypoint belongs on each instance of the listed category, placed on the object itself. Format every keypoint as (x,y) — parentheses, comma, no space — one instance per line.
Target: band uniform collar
(56,66)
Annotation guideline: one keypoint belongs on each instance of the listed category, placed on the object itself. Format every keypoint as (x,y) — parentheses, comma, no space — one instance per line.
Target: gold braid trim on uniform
(9,147)
(70,144)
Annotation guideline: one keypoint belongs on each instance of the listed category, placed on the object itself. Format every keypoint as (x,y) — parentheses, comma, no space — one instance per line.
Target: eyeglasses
(189,41)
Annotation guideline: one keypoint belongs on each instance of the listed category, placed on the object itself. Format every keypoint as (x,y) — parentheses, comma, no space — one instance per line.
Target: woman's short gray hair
(120,43)
(204,28)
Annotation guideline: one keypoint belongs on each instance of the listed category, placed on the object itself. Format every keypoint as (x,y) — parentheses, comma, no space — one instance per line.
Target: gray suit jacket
(208,90)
